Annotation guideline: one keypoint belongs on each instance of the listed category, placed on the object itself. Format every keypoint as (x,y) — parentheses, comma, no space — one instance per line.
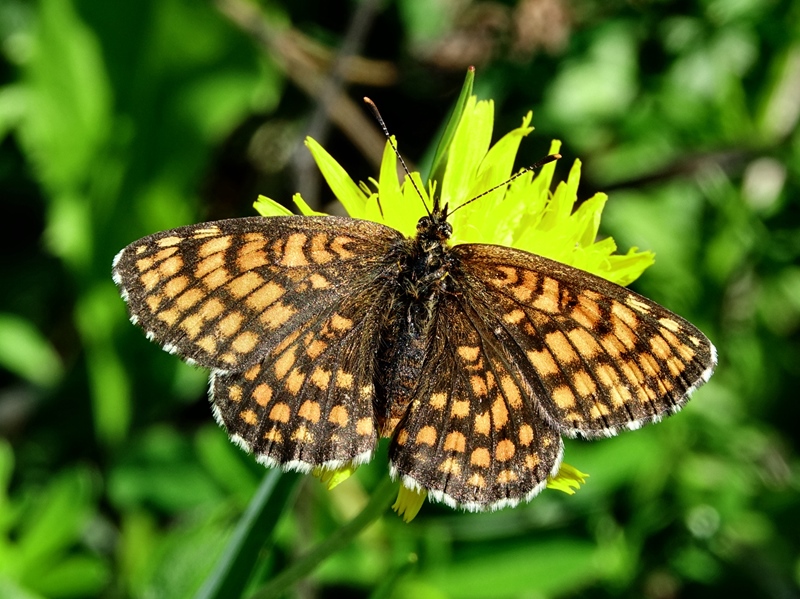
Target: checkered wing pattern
(285,311)
(594,356)
(473,436)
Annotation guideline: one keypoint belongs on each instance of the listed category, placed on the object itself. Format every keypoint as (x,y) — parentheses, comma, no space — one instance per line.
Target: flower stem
(381,498)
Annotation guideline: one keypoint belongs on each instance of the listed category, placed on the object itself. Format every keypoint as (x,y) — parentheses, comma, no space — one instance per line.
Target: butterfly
(324,334)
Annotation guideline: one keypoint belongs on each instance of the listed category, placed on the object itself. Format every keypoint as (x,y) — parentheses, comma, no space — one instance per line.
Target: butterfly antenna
(533,167)
(381,122)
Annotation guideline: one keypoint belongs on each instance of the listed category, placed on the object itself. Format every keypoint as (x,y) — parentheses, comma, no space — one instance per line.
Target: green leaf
(27,353)
(443,148)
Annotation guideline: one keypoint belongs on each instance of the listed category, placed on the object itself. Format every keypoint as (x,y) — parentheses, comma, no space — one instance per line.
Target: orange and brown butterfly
(325,333)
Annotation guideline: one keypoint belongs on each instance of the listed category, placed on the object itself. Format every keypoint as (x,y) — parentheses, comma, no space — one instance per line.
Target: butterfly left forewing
(596,356)
(472,436)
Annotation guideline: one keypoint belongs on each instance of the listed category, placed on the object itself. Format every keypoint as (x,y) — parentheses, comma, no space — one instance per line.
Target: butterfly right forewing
(596,356)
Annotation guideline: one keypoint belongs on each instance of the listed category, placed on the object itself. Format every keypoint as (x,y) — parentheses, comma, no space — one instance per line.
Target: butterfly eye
(424,223)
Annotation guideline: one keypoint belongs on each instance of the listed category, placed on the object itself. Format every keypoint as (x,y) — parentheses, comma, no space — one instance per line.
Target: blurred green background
(119,119)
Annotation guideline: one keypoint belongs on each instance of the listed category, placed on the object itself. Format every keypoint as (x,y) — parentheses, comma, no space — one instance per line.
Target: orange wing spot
(510,276)
(154,301)
(511,392)
(274,435)
(524,291)
(514,317)
(229,358)
(686,352)
(286,342)
(145,264)
(259,300)
(294,381)
(321,378)
(319,253)
(170,317)
(584,384)
(205,232)
(230,325)
(310,411)
(450,466)
(669,324)
(563,397)
(649,365)
(460,409)
(245,342)
(277,315)
(175,285)
(193,323)
(547,301)
(262,394)
(476,480)
(586,345)
(208,344)
(249,416)
(525,435)
(402,437)
(209,264)
(280,412)
(543,362)
(480,457)
(344,380)
(338,415)
(216,278)
(624,333)
(531,461)
(504,451)
(340,323)
(293,251)
(499,413)
(150,279)
(469,353)
(506,476)
(315,348)
(318,281)
(212,246)
(438,400)
(478,384)
(612,345)
(253,372)
(625,314)
(167,241)
(455,441)
(676,367)
(283,364)
(637,304)
(483,423)
(599,410)
(245,284)
(337,245)
(426,436)
(235,393)
(251,260)
(254,236)
(188,299)
(302,435)
(561,347)
(364,426)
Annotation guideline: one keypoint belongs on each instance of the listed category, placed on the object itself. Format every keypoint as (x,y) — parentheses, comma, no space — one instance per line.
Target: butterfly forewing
(596,356)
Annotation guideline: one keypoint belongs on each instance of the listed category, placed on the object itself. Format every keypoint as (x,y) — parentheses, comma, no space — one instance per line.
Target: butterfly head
(434,226)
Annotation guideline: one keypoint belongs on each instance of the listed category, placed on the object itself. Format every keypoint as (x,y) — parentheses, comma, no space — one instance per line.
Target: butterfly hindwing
(472,435)
(596,356)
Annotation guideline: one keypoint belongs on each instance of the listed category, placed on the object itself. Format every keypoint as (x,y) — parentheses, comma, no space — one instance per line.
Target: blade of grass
(440,157)
(253,533)
(381,498)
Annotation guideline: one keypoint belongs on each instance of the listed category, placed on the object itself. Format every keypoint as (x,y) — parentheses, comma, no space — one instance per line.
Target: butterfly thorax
(424,264)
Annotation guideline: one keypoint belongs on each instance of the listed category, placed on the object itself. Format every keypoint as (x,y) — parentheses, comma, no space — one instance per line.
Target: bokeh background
(119,119)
